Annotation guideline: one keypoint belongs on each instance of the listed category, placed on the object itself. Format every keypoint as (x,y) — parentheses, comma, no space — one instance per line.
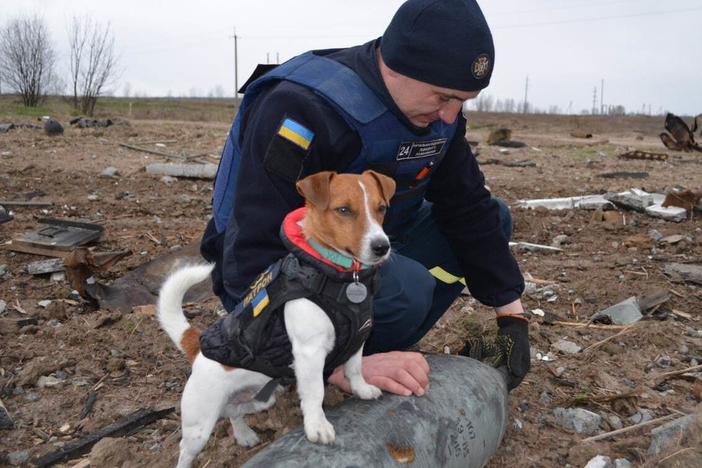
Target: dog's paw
(246,437)
(367,392)
(319,431)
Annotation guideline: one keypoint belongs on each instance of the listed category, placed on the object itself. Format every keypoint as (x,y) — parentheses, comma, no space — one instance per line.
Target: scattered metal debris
(683,137)
(645,155)
(57,238)
(503,137)
(624,175)
(686,199)
(194,171)
(502,162)
(124,426)
(587,202)
(83,122)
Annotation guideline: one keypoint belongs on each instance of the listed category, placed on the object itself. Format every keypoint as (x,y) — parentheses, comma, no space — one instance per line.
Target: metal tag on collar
(356,292)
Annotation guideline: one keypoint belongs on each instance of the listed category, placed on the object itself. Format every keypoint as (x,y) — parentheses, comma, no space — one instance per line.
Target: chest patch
(420,149)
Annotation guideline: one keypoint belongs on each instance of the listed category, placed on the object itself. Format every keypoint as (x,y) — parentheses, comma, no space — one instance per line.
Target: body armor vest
(387,145)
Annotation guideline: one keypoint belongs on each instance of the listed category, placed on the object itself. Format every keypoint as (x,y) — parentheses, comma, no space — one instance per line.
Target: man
(392,105)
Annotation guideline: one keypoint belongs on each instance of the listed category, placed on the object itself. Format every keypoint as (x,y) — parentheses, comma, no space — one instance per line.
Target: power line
(601,18)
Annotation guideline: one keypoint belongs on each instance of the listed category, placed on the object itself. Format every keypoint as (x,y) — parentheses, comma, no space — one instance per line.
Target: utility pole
(594,100)
(236,67)
(602,97)
(526,92)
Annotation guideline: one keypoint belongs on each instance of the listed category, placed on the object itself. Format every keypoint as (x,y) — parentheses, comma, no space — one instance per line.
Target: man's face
(423,103)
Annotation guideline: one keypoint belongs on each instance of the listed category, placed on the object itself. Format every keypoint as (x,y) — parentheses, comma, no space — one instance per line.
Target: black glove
(510,348)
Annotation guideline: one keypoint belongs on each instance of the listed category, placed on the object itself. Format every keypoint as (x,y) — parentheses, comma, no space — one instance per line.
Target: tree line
(28,61)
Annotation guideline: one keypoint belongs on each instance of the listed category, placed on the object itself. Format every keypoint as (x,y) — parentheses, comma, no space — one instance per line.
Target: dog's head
(345,213)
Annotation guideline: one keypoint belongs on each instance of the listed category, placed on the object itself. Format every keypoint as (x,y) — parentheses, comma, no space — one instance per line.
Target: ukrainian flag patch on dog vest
(296,133)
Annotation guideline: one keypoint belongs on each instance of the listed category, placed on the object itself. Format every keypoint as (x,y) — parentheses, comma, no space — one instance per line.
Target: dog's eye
(344,211)
(382,209)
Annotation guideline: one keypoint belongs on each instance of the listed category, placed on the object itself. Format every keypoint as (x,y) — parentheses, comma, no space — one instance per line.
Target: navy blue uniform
(459,229)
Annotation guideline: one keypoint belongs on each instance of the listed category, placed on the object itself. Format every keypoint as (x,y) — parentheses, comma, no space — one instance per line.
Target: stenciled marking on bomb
(455,438)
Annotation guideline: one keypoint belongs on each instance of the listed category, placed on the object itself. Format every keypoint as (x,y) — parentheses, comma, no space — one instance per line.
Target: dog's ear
(315,188)
(385,183)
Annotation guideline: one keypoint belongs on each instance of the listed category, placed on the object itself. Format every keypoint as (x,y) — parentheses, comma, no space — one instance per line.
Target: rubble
(624,313)
(579,420)
(194,171)
(684,272)
(669,434)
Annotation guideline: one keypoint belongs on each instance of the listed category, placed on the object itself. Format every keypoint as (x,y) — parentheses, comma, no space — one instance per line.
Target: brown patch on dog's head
(190,342)
(336,208)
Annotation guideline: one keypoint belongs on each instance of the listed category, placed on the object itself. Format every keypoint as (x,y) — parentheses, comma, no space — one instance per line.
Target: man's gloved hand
(510,349)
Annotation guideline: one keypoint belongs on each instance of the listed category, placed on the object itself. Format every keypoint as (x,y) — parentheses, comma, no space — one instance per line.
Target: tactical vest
(253,336)
(387,145)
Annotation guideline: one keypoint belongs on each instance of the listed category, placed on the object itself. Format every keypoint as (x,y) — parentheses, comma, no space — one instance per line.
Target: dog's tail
(170,308)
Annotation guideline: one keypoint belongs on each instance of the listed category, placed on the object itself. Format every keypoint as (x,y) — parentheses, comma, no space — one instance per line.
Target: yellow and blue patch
(296,133)
(260,302)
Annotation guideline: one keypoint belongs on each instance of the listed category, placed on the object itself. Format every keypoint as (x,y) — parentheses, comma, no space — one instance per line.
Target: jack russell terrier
(305,315)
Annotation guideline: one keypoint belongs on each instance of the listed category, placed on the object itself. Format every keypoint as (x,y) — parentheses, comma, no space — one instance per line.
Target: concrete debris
(674,239)
(600,461)
(566,347)
(670,213)
(43,267)
(624,313)
(168,180)
(579,420)
(587,202)
(194,171)
(19,457)
(634,199)
(684,272)
(3,306)
(529,247)
(109,172)
(669,434)
(622,463)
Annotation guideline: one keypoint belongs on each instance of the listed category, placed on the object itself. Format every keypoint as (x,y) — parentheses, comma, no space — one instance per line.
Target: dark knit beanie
(446,43)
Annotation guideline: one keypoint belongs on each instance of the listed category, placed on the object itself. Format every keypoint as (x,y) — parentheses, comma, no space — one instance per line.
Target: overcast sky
(647,52)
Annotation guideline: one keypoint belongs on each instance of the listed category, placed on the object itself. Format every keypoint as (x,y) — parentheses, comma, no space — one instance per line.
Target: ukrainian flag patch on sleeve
(260,302)
(296,133)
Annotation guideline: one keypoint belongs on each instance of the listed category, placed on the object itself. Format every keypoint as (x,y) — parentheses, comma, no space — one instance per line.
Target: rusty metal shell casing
(459,422)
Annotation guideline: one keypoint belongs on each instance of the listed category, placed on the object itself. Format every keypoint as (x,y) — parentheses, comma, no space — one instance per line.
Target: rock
(566,347)
(579,420)
(38,367)
(110,451)
(48,381)
(5,419)
(559,240)
(18,458)
(624,313)
(600,461)
(669,434)
(655,235)
(615,422)
(168,180)
(109,172)
(643,415)
(52,127)
(684,272)
(44,304)
(622,463)
(3,306)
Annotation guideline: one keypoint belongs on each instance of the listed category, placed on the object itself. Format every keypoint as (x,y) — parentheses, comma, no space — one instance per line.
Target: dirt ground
(49,367)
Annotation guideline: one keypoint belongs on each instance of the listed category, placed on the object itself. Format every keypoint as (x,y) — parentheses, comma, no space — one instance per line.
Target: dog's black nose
(380,247)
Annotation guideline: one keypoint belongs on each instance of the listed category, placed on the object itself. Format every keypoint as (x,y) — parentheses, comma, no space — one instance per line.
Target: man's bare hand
(401,372)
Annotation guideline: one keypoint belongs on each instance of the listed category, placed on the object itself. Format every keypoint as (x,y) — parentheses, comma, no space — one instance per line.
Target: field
(73,349)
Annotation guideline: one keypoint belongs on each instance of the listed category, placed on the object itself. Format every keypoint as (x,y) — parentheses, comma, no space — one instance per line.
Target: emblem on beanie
(480,67)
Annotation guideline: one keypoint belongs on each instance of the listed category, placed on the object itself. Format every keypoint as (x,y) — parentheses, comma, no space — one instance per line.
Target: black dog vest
(254,336)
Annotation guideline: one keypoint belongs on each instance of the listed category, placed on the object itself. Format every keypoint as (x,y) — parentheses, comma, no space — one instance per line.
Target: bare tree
(27,58)
(93,62)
